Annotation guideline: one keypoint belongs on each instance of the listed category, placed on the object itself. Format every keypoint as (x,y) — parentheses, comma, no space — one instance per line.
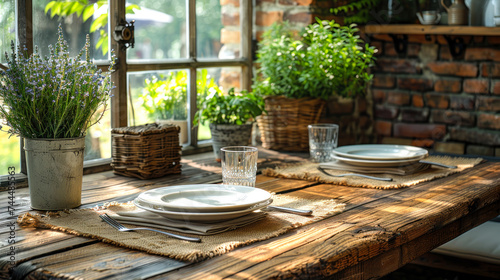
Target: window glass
(10,150)
(209,29)
(47,18)
(215,79)
(159,29)
(7,27)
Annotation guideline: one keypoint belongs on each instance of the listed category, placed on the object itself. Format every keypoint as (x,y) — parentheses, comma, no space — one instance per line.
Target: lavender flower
(53,97)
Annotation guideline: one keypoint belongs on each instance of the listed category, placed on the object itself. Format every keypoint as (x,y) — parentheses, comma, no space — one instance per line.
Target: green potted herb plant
(165,98)
(230,118)
(51,102)
(297,74)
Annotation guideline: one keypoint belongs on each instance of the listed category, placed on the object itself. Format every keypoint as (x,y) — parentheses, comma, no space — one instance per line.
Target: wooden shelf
(431,29)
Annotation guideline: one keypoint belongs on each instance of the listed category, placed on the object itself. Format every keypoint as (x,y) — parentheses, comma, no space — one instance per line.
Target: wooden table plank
(378,230)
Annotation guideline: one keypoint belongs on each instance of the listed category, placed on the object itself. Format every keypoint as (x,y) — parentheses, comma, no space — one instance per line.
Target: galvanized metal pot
(229,135)
(55,171)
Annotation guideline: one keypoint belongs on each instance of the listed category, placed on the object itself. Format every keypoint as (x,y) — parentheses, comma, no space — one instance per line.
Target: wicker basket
(284,127)
(146,151)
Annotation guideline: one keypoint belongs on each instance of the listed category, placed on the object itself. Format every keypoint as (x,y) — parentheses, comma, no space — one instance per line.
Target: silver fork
(112,222)
(355,174)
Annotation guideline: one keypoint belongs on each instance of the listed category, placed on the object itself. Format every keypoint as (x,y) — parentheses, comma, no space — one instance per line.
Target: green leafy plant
(165,97)
(52,97)
(327,60)
(230,108)
(336,60)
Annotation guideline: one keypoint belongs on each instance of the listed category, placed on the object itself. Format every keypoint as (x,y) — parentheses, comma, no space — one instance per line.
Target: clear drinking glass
(239,165)
(322,140)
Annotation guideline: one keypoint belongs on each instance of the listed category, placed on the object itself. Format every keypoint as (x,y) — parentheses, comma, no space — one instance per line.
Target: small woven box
(146,151)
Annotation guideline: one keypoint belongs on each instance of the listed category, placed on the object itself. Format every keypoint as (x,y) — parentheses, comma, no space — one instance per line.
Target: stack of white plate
(379,155)
(203,202)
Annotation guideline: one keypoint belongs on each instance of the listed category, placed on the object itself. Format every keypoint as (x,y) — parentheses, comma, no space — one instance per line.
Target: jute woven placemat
(308,171)
(86,222)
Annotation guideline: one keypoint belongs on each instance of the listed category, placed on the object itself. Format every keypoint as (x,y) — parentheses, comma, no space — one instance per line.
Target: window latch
(124,34)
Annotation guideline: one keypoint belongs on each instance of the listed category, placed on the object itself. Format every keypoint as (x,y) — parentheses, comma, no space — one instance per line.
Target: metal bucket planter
(229,135)
(55,170)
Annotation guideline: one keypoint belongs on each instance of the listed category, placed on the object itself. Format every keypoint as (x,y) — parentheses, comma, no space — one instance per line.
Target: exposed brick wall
(427,98)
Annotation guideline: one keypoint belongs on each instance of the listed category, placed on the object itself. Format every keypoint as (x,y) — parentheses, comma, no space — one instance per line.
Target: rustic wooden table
(379,231)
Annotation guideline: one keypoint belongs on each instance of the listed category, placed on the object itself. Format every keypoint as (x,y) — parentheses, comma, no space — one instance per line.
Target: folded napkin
(396,170)
(148,219)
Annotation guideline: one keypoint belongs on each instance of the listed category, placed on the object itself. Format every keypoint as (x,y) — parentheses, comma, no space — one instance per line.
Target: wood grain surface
(379,231)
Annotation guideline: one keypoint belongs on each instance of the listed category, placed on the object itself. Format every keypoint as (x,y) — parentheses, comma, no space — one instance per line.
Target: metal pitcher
(458,13)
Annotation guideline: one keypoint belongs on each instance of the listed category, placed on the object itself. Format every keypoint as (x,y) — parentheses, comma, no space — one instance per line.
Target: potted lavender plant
(50,102)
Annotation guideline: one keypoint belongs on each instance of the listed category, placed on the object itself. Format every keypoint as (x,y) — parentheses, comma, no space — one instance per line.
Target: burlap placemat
(308,171)
(86,222)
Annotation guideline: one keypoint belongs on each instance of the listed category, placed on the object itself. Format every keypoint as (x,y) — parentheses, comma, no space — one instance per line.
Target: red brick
(474,135)
(235,3)
(397,66)
(495,87)
(417,100)
(229,36)
(268,18)
(412,51)
(476,86)
(383,128)
(462,102)
(493,40)
(384,81)
(491,70)
(454,68)
(450,148)
(304,17)
(230,19)
(379,46)
(409,130)
(444,53)
(489,121)
(384,112)
(486,103)
(415,84)
(448,85)
(398,98)
(453,117)
(296,2)
(379,96)
(424,143)
(482,54)
(441,101)
(414,115)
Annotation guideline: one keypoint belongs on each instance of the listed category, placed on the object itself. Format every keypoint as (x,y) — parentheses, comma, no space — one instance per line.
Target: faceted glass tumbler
(239,165)
(323,140)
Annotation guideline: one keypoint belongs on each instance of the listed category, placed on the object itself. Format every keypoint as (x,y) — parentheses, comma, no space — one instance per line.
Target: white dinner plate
(200,217)
(204,197)
(377,163)
(380,152)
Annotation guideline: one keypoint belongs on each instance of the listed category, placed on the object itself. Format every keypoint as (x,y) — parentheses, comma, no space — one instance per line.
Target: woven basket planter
(146,151)
(284,127)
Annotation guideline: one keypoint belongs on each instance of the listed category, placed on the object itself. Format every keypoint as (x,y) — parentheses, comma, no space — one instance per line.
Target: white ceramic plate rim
(201,217)
(378,163)
(380,152)
(245,197)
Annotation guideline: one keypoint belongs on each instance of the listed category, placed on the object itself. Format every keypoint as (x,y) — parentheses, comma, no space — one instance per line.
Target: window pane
(10,150)
(159,96)
(74,28)
(215,40)
(215,79)
(160,30)
(7,27)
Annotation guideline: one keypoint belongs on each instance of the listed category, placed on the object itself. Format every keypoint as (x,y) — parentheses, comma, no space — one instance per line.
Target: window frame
(119,103)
